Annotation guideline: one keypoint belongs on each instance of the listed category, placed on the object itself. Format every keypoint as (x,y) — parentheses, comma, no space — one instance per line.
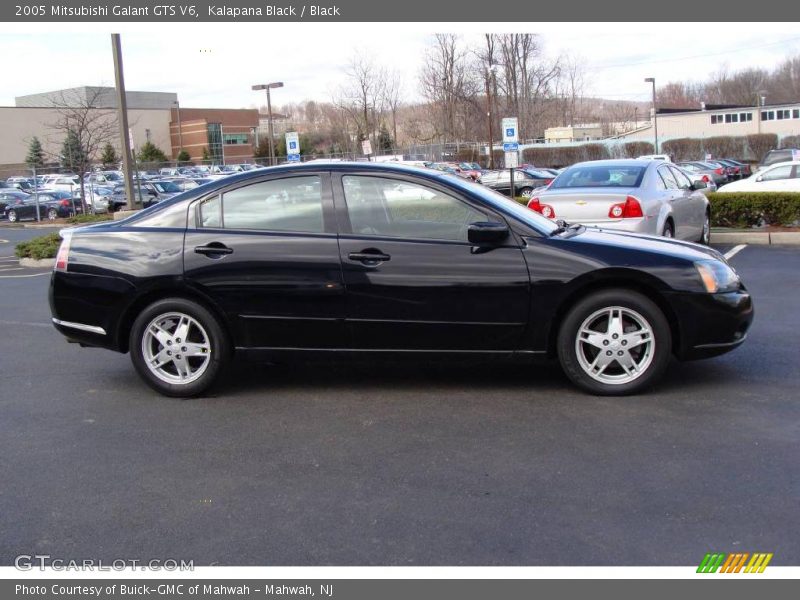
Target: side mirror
(699,185)
(486,232)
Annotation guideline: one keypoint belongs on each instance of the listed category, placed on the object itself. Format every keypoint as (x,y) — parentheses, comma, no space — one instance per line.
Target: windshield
(594,176)
(167,187)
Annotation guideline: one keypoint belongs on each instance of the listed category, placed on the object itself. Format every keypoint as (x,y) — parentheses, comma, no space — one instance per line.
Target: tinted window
(291,204)
(394,208)
(600,176)
(783,172)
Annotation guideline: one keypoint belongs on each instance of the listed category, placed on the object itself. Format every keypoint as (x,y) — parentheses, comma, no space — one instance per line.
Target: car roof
(620,162)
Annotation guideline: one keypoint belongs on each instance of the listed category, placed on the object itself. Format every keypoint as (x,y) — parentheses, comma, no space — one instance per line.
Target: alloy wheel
(176,348)
(615,345)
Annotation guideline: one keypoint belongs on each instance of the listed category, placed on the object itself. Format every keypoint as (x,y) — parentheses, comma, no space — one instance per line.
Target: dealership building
(226,135)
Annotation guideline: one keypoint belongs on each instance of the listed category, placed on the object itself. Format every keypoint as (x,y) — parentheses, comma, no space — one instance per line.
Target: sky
(215,65)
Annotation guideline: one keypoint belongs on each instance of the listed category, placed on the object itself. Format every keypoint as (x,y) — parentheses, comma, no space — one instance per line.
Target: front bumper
(710,324)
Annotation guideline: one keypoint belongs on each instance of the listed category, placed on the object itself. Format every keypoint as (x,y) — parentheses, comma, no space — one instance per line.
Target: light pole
(490,73)
(655,117)
(180,129)
(761,99)
(635,118)
(268,87)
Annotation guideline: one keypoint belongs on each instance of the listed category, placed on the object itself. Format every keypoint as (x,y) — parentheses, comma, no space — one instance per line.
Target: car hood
(647,243)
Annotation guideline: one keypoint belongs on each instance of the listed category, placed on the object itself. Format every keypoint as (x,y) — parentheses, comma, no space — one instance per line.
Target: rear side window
(290,204)
(667,178)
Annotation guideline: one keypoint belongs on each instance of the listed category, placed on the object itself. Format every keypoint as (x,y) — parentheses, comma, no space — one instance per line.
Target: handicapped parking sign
(510,133)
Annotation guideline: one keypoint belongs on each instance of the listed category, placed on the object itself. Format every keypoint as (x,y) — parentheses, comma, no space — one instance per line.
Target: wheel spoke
(615,322)
(627,363)
(160,359)
(182,366)
(593,338)
(193,349)
(182,330)
(160,334)
(637,338)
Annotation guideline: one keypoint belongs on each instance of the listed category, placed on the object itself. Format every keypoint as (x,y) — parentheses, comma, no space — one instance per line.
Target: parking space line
(734,251)
(25,323)
(20,276)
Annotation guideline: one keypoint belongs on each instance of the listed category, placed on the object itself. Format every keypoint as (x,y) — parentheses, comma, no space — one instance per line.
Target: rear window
(593,176)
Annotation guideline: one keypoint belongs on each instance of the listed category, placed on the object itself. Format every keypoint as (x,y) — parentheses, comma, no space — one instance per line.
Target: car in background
(780,177)
(641,196)
(449,168)
(709,173)
(662,157)
(69,183)
(8,197)
(472,169)
(709,184)
(779,155)
(52,205)
(744,169)
(377,258)
(525,181)
(23,185)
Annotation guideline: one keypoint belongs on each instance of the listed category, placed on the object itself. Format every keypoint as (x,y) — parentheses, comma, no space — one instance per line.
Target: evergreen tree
(73,154)
(183,156)
(206,155)
(385,141)
(149,152)
(109,157)
(35,157)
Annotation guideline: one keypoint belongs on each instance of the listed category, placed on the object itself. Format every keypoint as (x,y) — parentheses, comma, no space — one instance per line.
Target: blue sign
(293,157)
(292,146)
(510,132)
(511,147)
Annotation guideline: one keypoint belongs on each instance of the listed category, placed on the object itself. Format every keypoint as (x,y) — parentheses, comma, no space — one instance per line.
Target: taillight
(630,209)
(706,179)
(64,203)
(719,171)
(736,169)
(62,258)
(543,209)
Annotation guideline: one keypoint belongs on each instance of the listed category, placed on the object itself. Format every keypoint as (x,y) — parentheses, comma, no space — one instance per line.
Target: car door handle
(370,255)
(214,249)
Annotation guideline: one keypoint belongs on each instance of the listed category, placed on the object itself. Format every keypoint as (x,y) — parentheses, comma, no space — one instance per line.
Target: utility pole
(122,110)
(180,129)
(655,112)
(268,87)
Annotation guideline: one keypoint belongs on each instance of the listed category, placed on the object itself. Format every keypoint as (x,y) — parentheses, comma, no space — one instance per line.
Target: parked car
(51,206)
(69,183)
(778,155)
(662,157)
(23,185)
(642,196)
(8,197)
(708,186)
(744,169)
(780,177)
(709,173)
(525,181)
(372,257)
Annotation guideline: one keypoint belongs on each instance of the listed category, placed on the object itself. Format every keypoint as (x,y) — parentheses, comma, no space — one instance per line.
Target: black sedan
(52,205)
(352,258)
(525,181)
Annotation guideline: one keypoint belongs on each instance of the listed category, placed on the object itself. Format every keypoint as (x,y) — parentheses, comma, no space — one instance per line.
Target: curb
(37,263)
(762,238)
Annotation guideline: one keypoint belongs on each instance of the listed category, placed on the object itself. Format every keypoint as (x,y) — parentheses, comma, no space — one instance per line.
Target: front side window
(290,204)
(782,172)
(393,208)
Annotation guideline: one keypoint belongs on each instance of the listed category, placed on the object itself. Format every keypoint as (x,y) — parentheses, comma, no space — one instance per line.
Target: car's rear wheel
(526,192)
(52,214)
(178,347)
(669,230)
(705,236)
(12,216)
(614,342)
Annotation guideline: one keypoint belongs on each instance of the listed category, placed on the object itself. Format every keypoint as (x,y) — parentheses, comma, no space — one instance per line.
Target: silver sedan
(642,196)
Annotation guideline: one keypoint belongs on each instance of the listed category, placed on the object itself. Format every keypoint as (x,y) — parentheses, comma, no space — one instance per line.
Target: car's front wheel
(178,347)
(52,214)
(614,342)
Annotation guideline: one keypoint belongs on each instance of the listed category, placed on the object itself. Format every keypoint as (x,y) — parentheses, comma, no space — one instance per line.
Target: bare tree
(361,94)
(83,124)
(392,97)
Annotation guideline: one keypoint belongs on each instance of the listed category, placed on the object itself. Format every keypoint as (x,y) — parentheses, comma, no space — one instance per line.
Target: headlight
(717,276)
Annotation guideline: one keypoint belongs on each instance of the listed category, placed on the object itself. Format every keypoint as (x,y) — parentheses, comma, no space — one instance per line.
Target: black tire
(669,230)
(526,192)
(52,214)
(661,348)
(219,351)
(705,235)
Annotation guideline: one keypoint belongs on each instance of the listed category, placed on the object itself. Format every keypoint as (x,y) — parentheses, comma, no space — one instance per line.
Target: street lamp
(268,87)
(490,74)
(655,117)
(180,129)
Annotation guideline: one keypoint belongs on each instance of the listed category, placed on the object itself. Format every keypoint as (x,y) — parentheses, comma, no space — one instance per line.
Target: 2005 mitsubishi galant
(364,257)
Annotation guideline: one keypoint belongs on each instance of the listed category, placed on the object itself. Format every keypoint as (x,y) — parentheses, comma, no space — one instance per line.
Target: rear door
(266,252)
(413,280)
(690,206)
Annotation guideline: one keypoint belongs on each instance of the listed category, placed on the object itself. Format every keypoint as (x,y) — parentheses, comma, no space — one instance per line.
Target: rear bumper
(711,324)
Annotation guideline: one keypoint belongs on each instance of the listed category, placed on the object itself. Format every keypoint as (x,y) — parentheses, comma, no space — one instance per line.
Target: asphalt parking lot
(411,464)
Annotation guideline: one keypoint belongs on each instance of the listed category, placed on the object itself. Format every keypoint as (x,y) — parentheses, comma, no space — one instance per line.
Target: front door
(413,280)
(266,253)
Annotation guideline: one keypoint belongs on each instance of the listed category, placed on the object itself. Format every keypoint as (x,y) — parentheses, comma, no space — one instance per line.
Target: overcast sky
(214,65)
